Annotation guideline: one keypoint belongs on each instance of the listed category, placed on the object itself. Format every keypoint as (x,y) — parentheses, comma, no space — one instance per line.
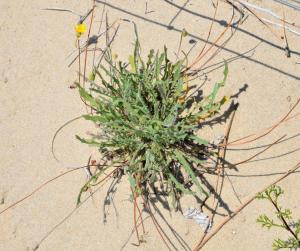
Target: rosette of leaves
(284,220)
(141,109)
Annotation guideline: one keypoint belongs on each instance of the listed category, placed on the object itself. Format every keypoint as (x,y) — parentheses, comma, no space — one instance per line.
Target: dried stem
(220,166)
(41,186)
(255,155)
(269,130)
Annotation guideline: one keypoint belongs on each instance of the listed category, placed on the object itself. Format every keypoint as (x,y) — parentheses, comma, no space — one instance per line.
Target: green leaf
(189,170)
(267,222)
(298,228)
(261,196)
(95,118)
(88,141)
(130,178)
(131,181)
(179,186)
(132,63)
(286,213)
(92,75)
(89,183)
(193,159)
(199,140)
(279,244)
(218,85)
(87,97)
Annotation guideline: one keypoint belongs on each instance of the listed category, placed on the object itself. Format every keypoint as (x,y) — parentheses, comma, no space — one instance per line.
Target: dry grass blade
(57,132)
(88,37)
(158,227)
(66,217)
(40,187)
(257,154)
(212,45)
(134,217)
(63,10)
(266,131)
(208,35)
(260,20)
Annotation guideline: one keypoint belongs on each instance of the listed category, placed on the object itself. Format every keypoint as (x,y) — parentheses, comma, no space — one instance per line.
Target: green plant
(285,219)
(147,122)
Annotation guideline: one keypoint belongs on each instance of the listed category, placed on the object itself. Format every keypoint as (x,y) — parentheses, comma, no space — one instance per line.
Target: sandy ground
(36,101)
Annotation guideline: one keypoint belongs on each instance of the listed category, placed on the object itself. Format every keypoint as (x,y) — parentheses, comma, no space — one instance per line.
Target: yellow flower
(80,29)
(224,100)
(114,56)
(185,87)
(184,33)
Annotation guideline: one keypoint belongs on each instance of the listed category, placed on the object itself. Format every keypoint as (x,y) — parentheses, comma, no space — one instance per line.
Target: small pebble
(192,41)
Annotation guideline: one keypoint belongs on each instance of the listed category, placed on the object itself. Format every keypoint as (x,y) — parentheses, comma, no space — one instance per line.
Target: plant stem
(286,225)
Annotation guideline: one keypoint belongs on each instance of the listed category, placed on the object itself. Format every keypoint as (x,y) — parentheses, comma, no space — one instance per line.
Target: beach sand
(36,100)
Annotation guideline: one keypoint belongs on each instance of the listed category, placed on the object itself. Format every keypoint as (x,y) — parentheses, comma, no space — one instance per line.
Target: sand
(36,100)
